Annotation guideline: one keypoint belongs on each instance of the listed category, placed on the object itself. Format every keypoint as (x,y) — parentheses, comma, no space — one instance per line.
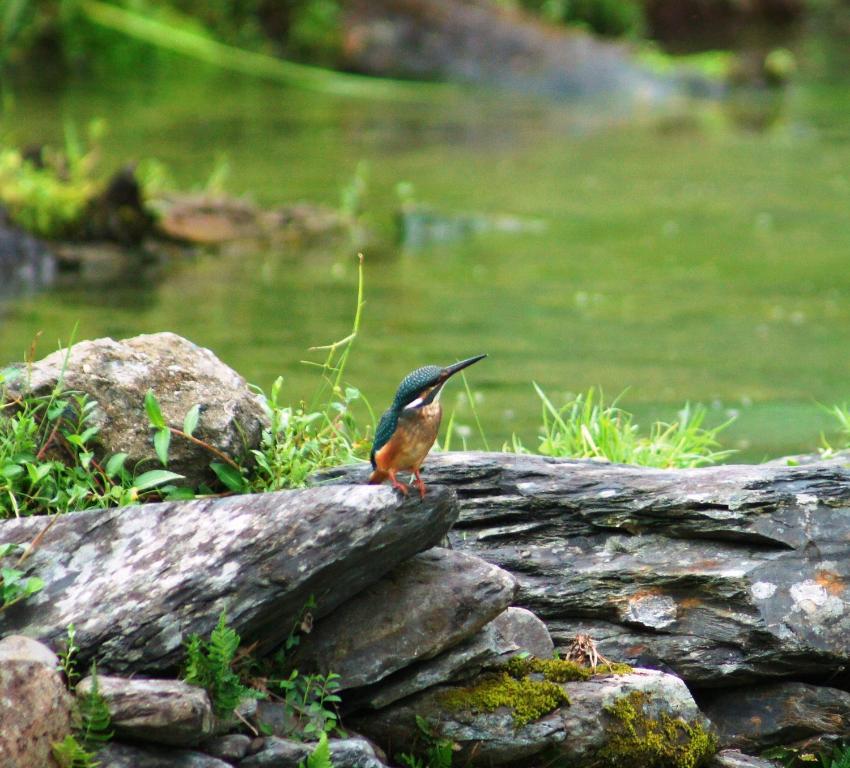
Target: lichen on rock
(638,739)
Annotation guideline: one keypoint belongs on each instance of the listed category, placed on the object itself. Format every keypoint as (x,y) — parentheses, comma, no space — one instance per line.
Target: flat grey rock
(726,575)
(163,712)
(422,607)
(117,755)
(229,748)
(734,758)
(283,753)
(513,631)
(138,581)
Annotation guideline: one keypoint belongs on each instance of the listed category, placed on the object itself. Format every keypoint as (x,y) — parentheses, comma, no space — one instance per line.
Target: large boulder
(118,374)
(422,607)
(590,729)
(725,574)
(35,706)
(137,581)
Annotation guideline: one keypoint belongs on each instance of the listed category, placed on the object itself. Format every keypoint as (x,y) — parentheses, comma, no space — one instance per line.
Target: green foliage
(665,741)
(48,463)
(315,31)
(716,65)
(841,414)
(231,475)
(437,753)
(614,18)
(94,716)
(839,758)
(209,664)
(310,701)
(67,658)
(78,750)
(586,427)
(48,195)
(15,585)
(69,753)
(301,440)
(320,757)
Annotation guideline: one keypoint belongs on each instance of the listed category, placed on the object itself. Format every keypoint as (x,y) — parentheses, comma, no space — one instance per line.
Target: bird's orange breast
(409,445)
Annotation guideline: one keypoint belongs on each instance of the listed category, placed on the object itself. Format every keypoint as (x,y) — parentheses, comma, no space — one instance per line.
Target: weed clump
(662,742)
(48,193)
(209,665)
(588,428)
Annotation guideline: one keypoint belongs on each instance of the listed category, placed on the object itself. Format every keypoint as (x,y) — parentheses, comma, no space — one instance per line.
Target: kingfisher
(409,427)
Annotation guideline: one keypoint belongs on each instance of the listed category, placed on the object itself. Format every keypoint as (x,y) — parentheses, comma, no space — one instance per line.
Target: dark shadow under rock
(758,717)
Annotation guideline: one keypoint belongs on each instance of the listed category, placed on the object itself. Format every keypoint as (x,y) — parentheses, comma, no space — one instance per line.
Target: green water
(698,253)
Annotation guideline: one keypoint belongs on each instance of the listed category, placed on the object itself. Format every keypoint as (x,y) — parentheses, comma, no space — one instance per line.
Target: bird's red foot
(399,486)
(419,484)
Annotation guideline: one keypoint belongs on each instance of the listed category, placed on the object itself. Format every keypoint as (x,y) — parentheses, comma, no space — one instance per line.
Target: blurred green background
(695,252)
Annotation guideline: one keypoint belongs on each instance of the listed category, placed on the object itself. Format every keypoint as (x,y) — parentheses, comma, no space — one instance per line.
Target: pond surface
(697,254)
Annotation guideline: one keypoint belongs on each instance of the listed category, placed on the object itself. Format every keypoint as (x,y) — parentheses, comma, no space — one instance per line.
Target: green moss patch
(527,699)
(663,742)
(528,686)
(560,670)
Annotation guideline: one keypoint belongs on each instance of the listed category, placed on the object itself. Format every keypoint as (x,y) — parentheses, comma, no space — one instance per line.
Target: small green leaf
(12,470)
(174,493)
(161,441)
(190,423)
(9,549)
(155,478)
(115,464)
(32,585)
(230,477)
(153,411)
(10,576)
(89,434)
(37,472)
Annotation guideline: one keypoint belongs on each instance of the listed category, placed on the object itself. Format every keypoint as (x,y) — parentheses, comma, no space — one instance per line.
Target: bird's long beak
(451,370)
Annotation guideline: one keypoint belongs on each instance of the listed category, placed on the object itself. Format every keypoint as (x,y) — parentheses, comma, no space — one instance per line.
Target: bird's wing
(386,427)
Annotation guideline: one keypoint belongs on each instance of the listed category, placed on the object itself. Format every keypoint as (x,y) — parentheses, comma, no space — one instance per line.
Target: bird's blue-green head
(423,386)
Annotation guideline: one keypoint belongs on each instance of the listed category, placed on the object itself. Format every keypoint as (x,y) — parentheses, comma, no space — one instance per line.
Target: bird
(408,428)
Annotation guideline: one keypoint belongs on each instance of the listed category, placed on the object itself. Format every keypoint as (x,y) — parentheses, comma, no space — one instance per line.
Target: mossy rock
(527,699)
(638,739)
(530,687)
(561,670)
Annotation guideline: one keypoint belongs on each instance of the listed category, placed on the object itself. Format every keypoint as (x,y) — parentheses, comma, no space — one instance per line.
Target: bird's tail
(378,477)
